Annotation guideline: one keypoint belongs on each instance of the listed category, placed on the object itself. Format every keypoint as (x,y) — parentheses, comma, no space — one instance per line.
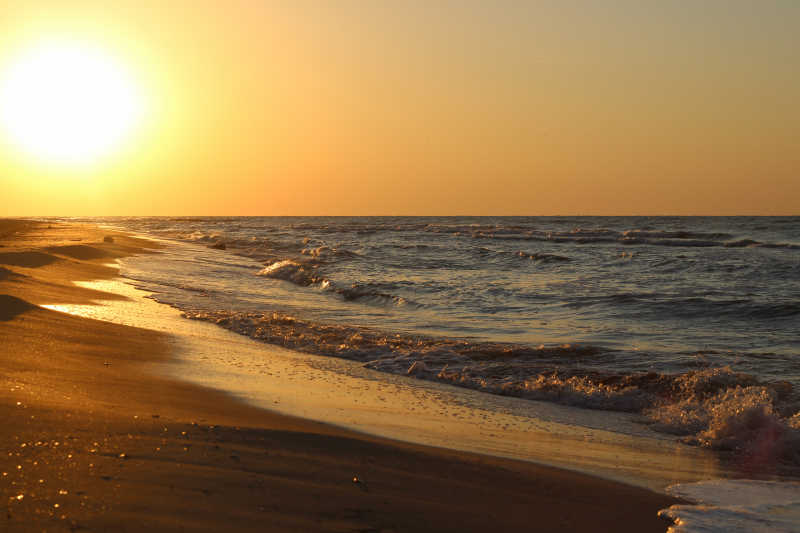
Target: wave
(368,345)
(743,243)
(203,219)
(200,236)
(361,294)
(715,407)
(541,257)
(294,272)
(700,306)
(678,239)
(750,243)
(374,293)
(681,234)
(315,262)
(736,308)
(688,243)
(325,252)
(786,245)
(537,257)
(523,232)
(306,274)
(735,506)
(615,300)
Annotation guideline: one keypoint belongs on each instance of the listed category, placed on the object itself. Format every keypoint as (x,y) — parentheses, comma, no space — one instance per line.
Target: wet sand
(93,440)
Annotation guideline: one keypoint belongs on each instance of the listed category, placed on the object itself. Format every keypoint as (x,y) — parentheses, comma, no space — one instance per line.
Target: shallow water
(689,321)
(656,290)
(736,506)
(341,392)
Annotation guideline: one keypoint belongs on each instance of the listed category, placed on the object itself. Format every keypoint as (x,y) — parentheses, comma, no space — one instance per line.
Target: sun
(68,102)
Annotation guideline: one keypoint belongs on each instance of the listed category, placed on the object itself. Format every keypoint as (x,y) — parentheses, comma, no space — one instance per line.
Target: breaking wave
(715,408)
(368,294)
(735,506)
(292,271)
(510,232)
(654,288)
(306,274)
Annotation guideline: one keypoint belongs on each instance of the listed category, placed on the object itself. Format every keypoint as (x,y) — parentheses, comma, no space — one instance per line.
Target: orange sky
(448,107)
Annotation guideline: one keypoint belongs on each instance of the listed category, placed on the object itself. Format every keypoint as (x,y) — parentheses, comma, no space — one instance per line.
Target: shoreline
(207,460)
(346,395)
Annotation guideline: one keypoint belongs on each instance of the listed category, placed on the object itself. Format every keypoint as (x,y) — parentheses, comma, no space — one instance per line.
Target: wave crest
(713,407)
(288,270)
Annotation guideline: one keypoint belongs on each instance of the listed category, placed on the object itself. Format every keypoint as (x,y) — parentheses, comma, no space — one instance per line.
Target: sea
(692,323)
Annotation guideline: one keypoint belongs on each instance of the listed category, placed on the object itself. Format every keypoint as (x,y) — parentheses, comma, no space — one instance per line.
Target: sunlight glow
(68,103)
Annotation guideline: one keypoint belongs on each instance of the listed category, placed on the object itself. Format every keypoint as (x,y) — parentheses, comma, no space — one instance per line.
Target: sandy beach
(93,440)
(395,267)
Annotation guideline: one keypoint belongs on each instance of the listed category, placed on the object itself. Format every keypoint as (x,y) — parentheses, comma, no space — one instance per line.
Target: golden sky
(429,107)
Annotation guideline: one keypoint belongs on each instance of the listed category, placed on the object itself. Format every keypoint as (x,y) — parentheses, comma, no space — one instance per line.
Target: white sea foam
(292,271)
(735,506)
(467,302)
(714,408)
(345,393)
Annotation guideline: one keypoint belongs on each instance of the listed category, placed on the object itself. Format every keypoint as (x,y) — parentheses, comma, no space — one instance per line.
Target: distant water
(691,321)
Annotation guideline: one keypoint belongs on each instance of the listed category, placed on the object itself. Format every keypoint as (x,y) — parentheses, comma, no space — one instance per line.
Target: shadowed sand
(91,439)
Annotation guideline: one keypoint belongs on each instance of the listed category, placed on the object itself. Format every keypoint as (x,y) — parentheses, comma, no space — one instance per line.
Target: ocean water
(691,321)
(735,506)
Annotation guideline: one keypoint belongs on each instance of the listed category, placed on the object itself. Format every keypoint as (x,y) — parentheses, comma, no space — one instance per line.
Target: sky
(429,108)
